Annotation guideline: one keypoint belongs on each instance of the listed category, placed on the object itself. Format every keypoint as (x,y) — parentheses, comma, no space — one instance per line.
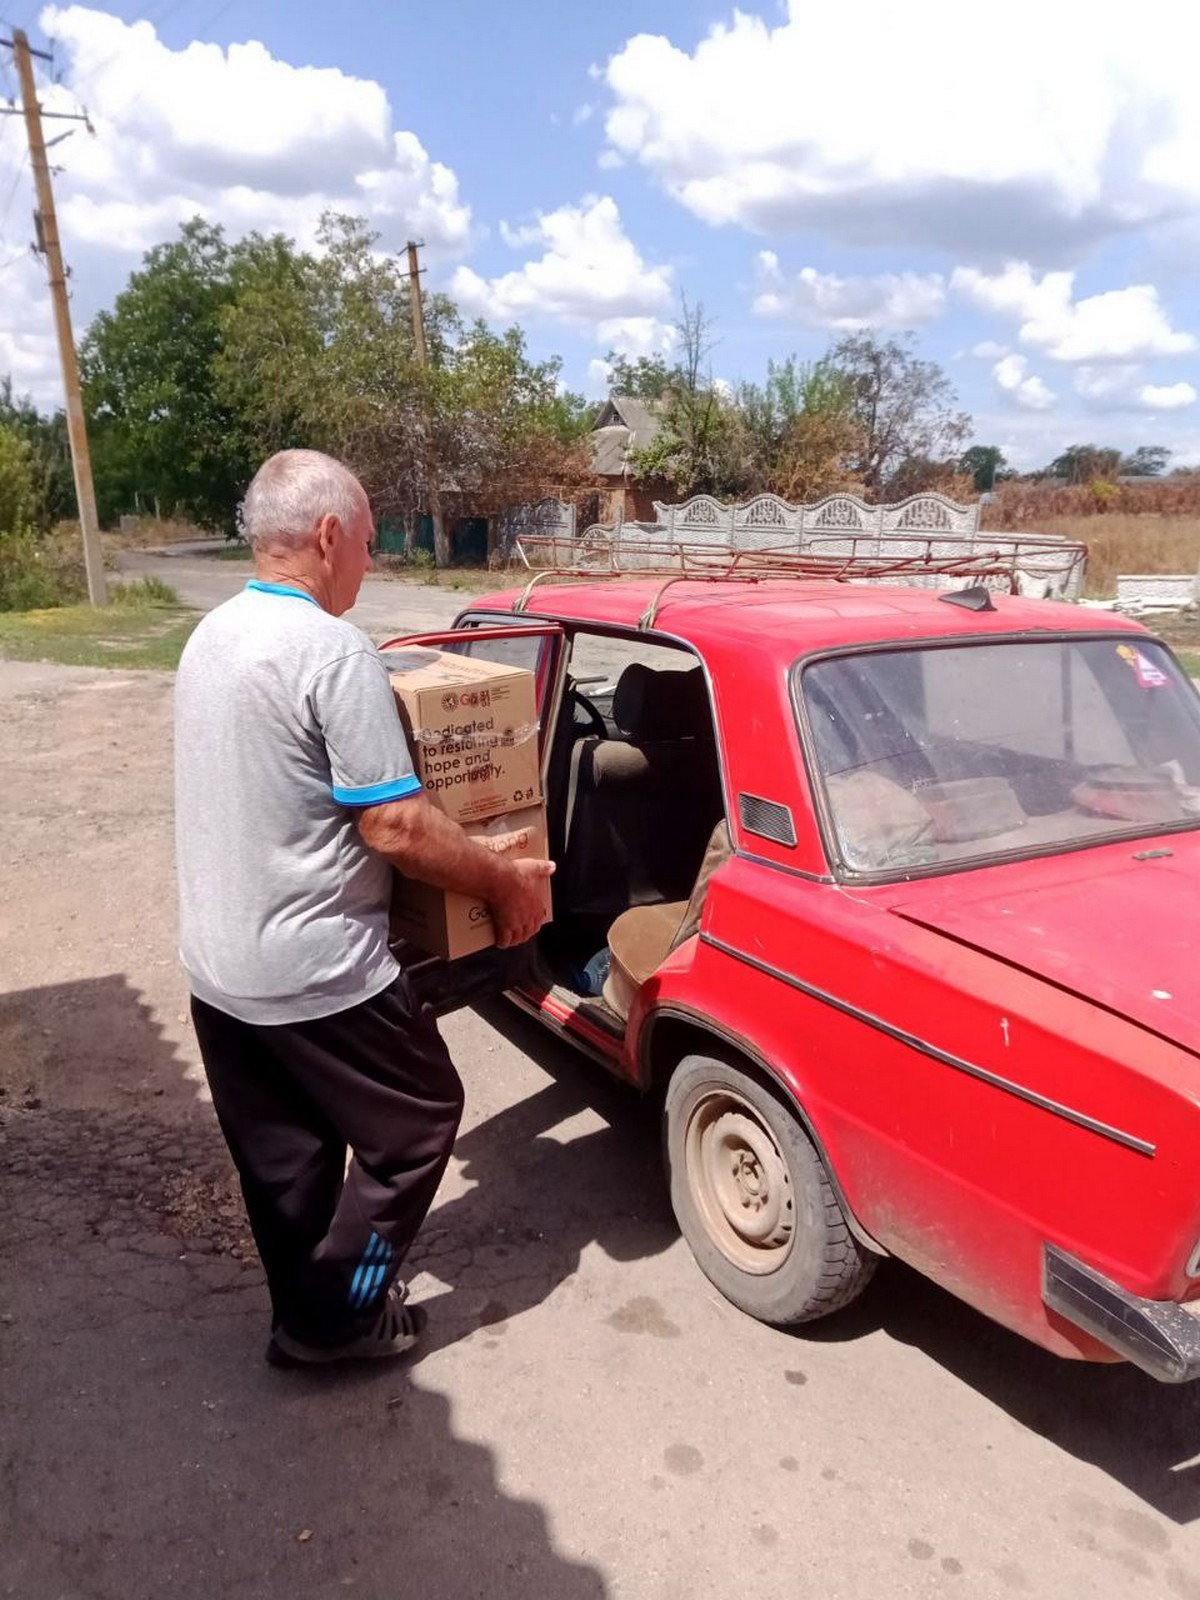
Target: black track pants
(290,1099)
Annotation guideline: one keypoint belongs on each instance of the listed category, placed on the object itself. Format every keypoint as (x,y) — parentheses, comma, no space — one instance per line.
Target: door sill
(586,1023)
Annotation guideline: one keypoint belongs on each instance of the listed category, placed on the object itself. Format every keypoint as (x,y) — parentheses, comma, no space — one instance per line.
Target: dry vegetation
(1126,543)
(1152,526)
(1031,505)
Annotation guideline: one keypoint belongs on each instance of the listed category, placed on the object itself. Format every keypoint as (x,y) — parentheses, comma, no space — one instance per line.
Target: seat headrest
(660,705)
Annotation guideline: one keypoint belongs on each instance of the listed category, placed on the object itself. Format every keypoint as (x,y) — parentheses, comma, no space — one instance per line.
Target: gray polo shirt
(285,726)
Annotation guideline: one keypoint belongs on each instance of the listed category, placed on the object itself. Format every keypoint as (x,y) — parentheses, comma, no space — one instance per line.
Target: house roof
(624,425)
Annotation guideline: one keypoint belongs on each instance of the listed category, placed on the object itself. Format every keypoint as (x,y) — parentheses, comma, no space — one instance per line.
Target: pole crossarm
(48,116)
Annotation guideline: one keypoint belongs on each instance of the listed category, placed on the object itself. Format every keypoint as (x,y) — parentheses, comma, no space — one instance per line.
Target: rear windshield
(938,756)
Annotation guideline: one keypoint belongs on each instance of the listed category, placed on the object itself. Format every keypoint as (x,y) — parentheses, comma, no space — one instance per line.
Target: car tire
(753,1197)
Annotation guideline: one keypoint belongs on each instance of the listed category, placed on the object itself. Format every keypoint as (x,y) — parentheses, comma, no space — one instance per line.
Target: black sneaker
(393,1333)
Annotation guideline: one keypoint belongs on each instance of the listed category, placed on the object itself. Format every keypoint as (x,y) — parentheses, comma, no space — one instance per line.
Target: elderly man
(295,796)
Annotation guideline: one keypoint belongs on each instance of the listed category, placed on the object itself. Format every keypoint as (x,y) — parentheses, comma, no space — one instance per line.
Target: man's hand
(519,903)
(424,844)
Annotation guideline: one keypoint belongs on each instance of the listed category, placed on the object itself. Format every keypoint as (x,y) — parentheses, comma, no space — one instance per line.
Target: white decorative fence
(925,528)
(766,521)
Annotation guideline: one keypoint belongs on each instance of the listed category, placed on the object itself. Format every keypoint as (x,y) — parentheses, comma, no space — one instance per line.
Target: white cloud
(1123,388)
(1107,388)
(237,136)
(637,336)
(988,350)
(1167,397)
(1119,325)
(28,350)
(582,114)
(825,300)
(1030,393)
(861,118)
(520,238)
(590,274)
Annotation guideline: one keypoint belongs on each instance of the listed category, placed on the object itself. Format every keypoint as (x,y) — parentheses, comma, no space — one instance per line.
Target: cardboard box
(473,728)
(452,925)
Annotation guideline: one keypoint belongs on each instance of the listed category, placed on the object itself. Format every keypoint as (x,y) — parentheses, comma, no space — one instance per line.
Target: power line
(216,16)
(12,193)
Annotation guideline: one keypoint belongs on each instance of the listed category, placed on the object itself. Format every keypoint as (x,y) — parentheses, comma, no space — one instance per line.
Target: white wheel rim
(740,1182)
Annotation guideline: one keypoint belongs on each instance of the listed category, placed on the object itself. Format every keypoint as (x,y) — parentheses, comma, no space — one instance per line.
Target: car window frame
(475,616)
(849,876)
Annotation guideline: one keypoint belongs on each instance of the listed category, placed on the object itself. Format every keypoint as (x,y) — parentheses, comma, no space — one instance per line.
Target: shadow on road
(1144,1434)
(609,1186)
(544,1188)
(147,1449)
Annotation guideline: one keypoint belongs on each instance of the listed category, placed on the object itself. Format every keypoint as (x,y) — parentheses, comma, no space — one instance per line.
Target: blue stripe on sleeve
(372,794)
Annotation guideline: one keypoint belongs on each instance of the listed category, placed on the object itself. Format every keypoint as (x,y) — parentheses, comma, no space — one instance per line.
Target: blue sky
(1022,191)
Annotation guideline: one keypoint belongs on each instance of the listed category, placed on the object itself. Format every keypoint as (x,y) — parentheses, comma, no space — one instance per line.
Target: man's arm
(421,842)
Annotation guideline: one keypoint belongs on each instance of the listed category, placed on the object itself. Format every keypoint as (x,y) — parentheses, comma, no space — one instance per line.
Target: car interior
(636,814)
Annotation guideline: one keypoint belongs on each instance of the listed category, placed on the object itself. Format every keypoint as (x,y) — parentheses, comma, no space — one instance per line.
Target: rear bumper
(1159,1336)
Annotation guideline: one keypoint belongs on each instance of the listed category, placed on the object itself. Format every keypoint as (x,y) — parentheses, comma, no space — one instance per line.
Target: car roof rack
(841,557)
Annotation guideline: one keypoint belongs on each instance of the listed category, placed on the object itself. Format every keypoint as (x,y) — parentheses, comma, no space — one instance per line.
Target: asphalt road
(385,603)
(588,1418)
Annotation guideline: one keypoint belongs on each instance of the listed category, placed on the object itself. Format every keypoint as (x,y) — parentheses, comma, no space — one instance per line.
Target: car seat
(641,939)
(641,807)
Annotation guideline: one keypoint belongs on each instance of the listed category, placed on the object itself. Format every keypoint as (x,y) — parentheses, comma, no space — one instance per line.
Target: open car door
(540,649)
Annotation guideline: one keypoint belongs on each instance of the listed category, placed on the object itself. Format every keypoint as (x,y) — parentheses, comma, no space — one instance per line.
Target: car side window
(527,653)
(532,652)
(597,662)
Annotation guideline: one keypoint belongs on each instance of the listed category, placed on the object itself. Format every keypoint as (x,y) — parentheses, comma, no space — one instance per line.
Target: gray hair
(291,492)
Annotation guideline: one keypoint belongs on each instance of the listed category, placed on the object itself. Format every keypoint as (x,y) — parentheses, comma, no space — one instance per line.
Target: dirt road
(588,1420)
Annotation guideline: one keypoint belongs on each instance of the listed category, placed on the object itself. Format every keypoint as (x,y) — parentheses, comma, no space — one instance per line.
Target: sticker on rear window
(1148,675)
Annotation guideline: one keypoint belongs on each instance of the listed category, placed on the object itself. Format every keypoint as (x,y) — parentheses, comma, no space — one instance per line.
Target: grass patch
(128,633)
(477,579)
(142,592)
(1182,632)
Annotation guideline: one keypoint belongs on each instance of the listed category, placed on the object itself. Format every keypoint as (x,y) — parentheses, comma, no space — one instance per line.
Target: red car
(888,894)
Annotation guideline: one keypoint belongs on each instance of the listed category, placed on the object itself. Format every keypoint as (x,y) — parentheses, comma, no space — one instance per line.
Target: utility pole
(441,544)
(417,303)
(46,223)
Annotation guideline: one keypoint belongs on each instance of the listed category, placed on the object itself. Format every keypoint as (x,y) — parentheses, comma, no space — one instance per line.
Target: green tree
(265,366)
(319,351)
(18,484)
(905,407)
(647,378)
(54,485)
(1084,463)
(698,446)
(160,432)
(800,431)
(986,465)
(1147,461)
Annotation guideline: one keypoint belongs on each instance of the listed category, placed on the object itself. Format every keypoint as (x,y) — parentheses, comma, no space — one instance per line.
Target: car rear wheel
(753,1198)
